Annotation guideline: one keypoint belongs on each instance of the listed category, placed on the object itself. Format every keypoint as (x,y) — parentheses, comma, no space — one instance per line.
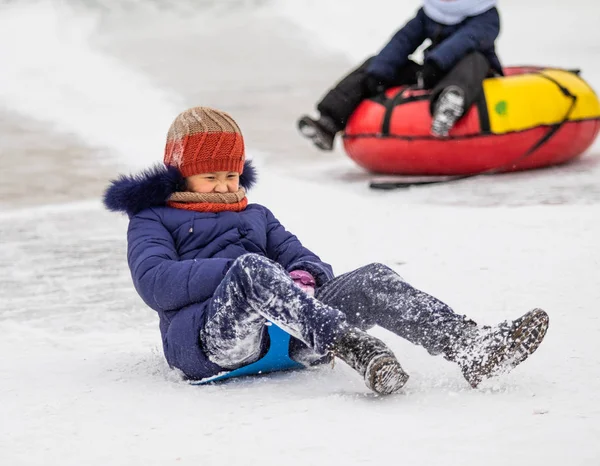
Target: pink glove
(304,280)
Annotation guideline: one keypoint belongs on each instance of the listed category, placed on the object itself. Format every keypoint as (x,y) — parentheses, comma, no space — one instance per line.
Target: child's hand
(373,85)
(304,280)
(430,75)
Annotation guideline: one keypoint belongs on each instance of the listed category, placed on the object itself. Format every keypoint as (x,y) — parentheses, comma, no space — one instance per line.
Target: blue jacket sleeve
(162,280)
(285,249)
(395,54)
(478,33)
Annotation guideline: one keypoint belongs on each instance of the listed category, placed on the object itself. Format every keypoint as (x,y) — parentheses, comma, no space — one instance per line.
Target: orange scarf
(209,202)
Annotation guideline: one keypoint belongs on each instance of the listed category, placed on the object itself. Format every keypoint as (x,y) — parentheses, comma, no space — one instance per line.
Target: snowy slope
(82,377)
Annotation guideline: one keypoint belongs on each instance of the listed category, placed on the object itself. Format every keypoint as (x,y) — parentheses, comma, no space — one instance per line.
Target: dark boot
(322,131)
(448,109)
(489,351)
(372,359)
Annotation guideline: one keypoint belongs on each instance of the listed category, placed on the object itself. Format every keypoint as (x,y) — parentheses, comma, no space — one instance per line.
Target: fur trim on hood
(151,188)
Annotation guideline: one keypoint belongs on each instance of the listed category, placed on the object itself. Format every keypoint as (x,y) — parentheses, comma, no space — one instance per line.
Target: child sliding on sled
(461,56)
(218,270)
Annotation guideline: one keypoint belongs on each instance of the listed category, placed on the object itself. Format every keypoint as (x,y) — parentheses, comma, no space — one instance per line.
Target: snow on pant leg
(468,75)
(256,290)
(376,295)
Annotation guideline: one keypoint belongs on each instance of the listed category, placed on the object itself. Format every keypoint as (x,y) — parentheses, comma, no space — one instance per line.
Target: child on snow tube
(219,270)
(461,56)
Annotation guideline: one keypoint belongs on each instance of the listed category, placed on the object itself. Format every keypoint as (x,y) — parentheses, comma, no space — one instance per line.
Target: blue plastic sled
(276,359)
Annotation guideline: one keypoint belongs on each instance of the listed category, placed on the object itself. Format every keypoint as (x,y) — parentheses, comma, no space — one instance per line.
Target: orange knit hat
(203,140)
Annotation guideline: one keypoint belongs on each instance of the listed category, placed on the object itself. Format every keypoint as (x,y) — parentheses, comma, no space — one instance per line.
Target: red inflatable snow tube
(530,118)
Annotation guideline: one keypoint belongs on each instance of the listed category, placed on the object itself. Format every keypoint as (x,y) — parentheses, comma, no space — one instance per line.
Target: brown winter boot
(372,359)
(490,351)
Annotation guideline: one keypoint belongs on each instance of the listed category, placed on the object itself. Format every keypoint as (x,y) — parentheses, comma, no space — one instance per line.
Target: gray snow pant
(256,290)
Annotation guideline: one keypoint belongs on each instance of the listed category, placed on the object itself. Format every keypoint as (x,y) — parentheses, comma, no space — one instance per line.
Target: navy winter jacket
(178,257)
(449,43)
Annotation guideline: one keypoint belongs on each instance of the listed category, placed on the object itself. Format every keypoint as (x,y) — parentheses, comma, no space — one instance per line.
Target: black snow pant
(341,101)
(256,290)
